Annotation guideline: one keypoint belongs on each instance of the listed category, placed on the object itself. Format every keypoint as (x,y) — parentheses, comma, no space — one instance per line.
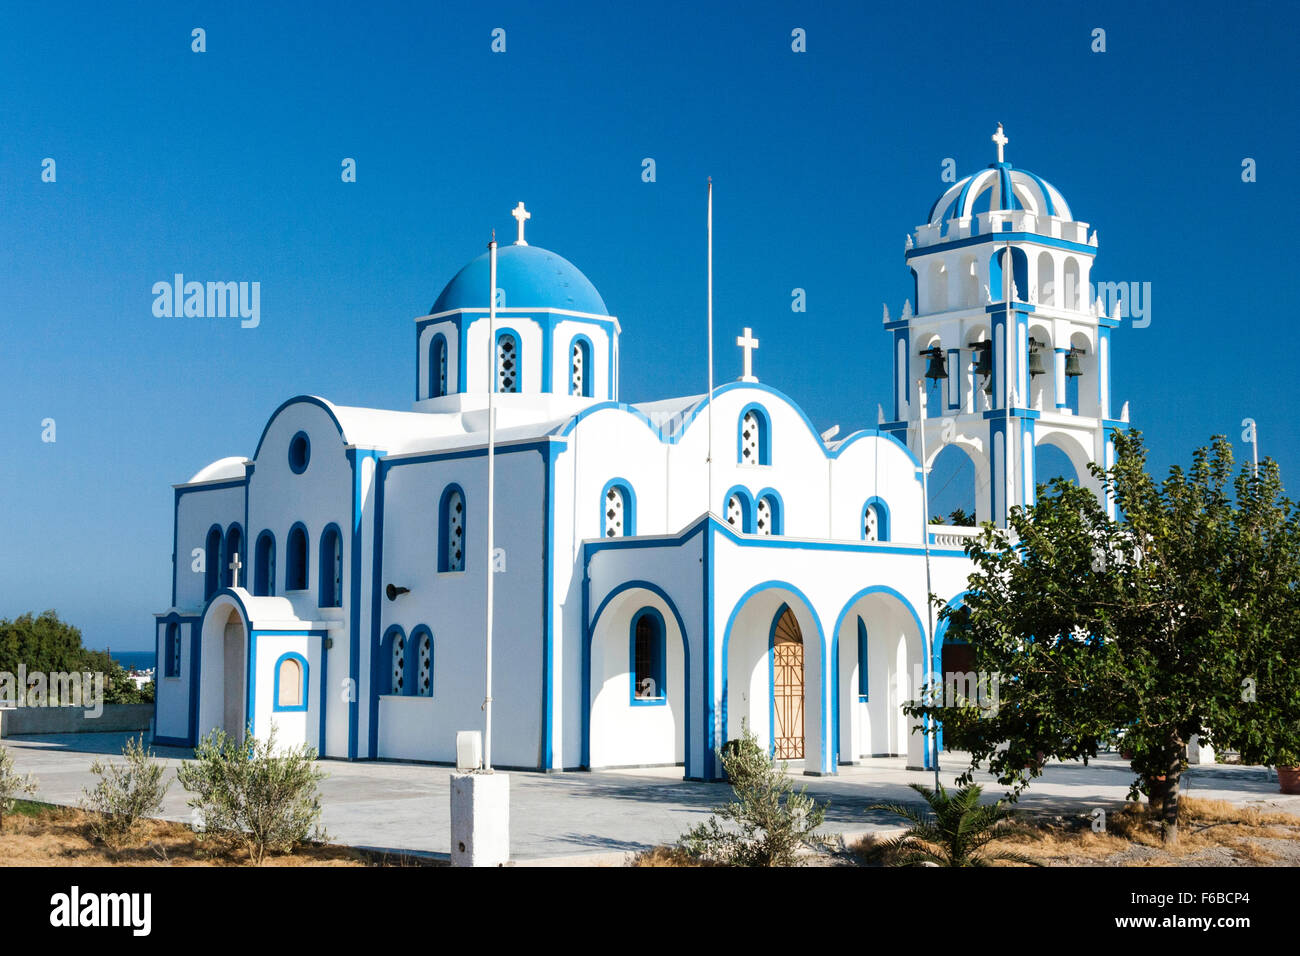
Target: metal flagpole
(491,489)
(709,459)
(925,542)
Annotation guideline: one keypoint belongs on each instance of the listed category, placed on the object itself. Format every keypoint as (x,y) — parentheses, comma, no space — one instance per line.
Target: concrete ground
(586,818)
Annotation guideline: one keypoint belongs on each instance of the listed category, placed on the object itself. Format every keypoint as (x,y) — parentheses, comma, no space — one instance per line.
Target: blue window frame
(508,364)
(863,683)
(875,520)
(393,655)
(738,509)
(754,436)
(212,562)
(299,453)
(580,371)
(420,681)
(648,642)
(769,513)
(451,529)
(172,651)
(290,692)
(295,572)
(331,567)
(264,565)
(617,509)
(438,366)
(234,546)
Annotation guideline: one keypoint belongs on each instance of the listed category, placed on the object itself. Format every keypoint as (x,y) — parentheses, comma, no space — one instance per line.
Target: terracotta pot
(1289,779)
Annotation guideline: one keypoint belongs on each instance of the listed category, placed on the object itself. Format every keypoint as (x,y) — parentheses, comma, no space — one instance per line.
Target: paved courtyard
(593,817)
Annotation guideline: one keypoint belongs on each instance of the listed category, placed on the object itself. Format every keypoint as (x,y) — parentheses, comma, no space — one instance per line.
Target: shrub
(12,784)
(125,792)
(768,821)
(248,792)
(953,833)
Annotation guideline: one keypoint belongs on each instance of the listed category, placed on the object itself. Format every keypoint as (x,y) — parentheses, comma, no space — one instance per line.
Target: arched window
(234,546)
(875,521)
(331,567)
(768,514)
(739,510)
(264,565)
(295,575)
(754,437)
(212,563)
(1072,290)
(290,682)
(580,367)
(451,540)
(172,651)
(863,682)
(617,510)
(422,638)
(1046,279)
(438,366)
(396,661)
(649,657)
(508,368)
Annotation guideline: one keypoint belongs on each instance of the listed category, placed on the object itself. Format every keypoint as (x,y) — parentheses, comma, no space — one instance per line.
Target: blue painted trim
(264,569)
(747,507)
(444,517)
(229,551)
(413,660)
(629,506)
(658,657)
(276,707)
(835,645)
(438,342)
(588,350)
(549,644)
(172,649)
(383,687)
(304,400)
(764,434)
(1001,237)
(864,658)
(299,452)
(771,682)
(882,518)
(588,635)
(212,558)
(713,732)
(290,577)
(776,507)
(325,568)
(826,765)
(355,458)
(502,332)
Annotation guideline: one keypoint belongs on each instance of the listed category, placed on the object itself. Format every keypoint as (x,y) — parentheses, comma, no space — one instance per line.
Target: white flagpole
(709,459)
(491,489)
(925,543)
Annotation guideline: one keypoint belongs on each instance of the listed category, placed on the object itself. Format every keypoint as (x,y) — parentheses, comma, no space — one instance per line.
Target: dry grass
(664,856)
(45,835)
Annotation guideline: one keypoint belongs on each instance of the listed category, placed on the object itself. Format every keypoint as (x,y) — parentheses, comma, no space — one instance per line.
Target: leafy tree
(1143,626)
(768,822)
(953,833)
(12,784)
(125,792)
(249,791)
(41,643)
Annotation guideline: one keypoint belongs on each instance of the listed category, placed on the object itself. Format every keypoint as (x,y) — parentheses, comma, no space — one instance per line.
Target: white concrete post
(480,819)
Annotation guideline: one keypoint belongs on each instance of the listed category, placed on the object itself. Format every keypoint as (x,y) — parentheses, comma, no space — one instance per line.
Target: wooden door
(787,688)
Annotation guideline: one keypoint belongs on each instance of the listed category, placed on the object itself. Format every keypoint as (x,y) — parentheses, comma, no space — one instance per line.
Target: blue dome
(530,277)
(1009,188)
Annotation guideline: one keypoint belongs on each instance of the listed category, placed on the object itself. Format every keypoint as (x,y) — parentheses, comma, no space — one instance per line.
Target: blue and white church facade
(667,572)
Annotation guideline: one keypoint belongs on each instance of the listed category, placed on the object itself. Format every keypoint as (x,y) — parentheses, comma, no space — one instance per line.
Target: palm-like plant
(953,833)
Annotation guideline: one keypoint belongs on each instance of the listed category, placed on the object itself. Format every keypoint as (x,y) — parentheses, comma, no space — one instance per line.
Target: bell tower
(1008,346)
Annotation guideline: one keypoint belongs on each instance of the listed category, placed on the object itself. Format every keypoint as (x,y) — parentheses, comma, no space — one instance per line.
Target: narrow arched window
(172,649)
(290,683)
(212,563)
(863,682)
(767,519)
(580,368)
(295,578)
(438,367)
(617,512)
(451,542)
(264,565)
(649,653)
(875,521)
(234,546)
(397,664)
(508,369)
(740,512)
(423,661)
(754,438)
(331,568)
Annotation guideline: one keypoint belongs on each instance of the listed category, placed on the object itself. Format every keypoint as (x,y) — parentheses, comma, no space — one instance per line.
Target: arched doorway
(787,686)
(223,679)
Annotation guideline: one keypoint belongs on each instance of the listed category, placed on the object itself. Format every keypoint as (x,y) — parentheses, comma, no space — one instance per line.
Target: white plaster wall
(199,510)
(448,331)
(479,350)
(172,693)
(565,332)
(292,727)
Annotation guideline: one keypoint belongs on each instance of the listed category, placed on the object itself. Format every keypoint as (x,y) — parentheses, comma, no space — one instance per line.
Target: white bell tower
(1016,351)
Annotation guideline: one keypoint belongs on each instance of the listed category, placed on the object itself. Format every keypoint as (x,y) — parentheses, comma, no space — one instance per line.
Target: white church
(667,571)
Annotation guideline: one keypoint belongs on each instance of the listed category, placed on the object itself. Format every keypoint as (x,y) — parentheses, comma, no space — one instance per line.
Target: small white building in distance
(333,583)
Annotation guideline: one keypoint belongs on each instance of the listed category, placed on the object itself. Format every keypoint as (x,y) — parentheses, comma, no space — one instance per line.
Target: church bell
(936,368)
(1035,359)
(1072,367)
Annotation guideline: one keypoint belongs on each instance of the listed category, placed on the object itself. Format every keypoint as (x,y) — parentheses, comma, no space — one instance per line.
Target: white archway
(223,669)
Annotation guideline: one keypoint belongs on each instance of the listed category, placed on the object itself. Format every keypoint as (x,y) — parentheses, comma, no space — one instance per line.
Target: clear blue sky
(225,165)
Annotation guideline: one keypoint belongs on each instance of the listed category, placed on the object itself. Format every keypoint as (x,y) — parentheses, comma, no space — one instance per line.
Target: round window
(299,453)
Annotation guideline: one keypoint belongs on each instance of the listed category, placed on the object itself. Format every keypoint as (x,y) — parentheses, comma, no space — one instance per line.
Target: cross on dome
(749,344)
(999,137)
(521,214)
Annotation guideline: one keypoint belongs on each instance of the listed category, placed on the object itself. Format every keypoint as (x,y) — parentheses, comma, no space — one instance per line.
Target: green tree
(767,823)
(40,643)
(1142,626)
(953,833)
